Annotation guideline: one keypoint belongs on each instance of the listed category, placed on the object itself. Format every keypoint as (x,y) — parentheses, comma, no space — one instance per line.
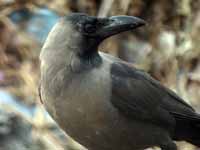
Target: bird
(103,102)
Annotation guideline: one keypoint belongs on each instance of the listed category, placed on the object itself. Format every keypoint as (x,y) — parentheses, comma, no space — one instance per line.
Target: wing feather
(139,96)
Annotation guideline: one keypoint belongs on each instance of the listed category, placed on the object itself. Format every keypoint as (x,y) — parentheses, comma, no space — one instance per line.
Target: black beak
(118,24)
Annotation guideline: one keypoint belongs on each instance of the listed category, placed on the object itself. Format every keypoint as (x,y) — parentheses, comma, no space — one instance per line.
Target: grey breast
(81,105)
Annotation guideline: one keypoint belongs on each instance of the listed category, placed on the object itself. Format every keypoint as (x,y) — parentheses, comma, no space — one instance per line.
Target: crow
(103,102)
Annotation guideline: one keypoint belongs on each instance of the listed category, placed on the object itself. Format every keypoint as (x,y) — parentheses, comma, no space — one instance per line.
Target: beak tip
(137,22)
(142,22)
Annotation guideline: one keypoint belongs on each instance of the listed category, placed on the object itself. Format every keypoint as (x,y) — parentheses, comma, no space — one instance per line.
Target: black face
(101,28)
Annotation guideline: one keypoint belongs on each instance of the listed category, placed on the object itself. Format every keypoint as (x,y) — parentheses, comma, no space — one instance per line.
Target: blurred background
(168,47)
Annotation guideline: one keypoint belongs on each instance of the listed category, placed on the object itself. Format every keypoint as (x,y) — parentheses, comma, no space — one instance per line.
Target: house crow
(105,103)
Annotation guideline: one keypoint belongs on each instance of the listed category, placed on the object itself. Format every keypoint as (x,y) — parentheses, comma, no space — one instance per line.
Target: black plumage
(136,94)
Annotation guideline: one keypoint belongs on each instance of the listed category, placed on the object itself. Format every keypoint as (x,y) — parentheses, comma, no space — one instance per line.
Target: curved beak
(117,24)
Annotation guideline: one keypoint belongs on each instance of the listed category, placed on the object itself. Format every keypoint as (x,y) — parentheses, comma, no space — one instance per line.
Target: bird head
(83,34)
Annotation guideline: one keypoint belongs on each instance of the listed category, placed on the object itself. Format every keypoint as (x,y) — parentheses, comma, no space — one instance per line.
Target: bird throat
(85,61)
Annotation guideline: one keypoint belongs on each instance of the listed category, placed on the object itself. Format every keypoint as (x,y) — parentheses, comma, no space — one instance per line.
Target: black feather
(138,96)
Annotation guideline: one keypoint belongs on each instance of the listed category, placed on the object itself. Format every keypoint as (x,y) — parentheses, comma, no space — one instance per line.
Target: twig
(104,8)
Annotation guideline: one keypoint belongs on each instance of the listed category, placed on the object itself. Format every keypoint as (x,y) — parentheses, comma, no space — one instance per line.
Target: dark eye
(89,28)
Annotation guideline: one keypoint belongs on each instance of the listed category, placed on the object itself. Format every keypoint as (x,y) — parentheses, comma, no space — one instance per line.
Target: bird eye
(89,28)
